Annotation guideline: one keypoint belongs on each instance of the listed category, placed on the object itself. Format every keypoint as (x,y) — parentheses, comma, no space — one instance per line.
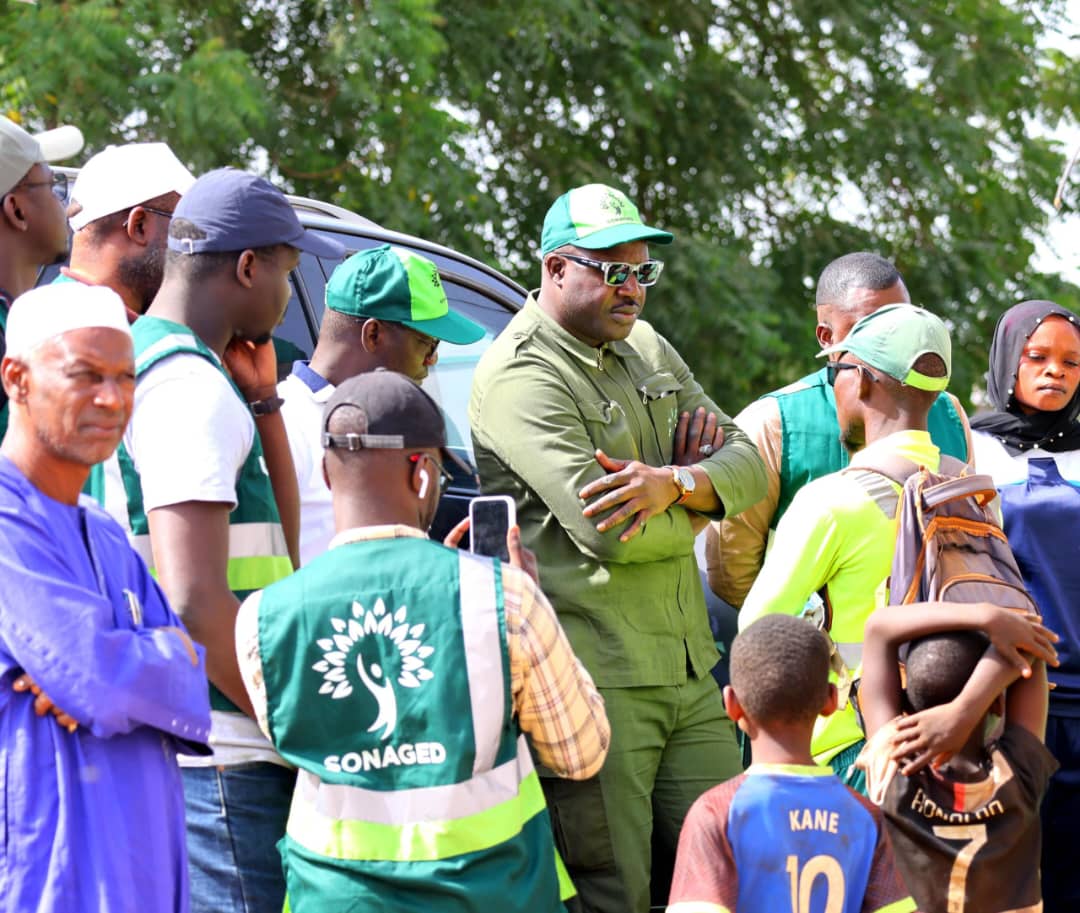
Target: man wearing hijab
(1030,445)
(100,685)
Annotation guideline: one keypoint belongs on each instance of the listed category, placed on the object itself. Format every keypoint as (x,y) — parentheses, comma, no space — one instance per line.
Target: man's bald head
(851,287)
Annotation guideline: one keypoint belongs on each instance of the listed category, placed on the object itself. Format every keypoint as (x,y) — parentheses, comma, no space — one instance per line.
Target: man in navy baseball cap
(233,210)
(209,486)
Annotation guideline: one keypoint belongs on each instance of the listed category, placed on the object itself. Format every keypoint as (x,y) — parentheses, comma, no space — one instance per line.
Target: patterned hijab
(1053,431)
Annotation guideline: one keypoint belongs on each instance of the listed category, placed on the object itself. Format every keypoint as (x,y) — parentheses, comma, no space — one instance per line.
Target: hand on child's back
(933,735)
(1014,633)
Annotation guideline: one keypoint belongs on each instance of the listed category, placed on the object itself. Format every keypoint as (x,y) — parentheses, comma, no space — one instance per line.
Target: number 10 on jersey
(802,883)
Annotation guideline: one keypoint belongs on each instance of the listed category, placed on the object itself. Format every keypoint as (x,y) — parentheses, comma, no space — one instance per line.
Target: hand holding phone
(490,519)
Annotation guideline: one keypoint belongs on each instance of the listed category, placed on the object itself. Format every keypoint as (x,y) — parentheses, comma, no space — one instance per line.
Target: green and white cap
(595,217)
(896,336)
(398,286)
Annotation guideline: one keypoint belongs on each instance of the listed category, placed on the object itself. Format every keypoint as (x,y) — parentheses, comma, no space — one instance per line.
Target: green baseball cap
(595,217)
(896,336)
(398,286)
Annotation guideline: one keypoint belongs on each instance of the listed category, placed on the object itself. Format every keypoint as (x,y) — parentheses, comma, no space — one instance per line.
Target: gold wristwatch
(684,481)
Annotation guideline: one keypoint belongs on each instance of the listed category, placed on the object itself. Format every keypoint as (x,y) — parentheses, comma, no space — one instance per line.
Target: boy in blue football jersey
(786,835)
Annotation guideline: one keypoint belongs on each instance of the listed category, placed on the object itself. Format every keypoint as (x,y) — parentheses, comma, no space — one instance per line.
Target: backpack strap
(891,465)
(951,466)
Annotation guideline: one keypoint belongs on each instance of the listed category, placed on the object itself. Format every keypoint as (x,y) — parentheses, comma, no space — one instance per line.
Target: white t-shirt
(189,433)
(302,413)
(188,437)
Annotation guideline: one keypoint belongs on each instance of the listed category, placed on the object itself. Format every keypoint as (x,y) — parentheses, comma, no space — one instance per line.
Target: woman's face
(1049,369)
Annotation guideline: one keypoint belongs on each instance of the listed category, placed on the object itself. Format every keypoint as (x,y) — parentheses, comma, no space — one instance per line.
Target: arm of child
(1027,702)
(889,627)
(937,733)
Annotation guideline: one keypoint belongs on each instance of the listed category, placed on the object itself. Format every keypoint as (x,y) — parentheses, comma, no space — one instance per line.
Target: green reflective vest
(811,445)
(388,685)
(258,552)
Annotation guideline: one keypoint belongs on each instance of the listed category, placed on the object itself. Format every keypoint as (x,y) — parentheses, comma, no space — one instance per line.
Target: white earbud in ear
(425,479)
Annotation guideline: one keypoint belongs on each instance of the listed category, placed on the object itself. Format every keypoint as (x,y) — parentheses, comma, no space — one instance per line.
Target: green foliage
(769,136)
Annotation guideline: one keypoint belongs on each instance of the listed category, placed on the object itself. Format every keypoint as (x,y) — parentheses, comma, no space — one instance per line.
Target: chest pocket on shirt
(609,430)
(659,393)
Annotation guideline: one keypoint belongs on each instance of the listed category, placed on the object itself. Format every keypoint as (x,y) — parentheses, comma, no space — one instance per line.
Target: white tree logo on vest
(349,637)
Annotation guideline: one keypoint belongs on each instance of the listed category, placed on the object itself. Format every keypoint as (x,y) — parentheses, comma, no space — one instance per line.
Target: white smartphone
(490,519)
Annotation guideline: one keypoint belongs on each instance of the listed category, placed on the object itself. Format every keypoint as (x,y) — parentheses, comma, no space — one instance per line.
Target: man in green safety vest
(795,427)
(399,675)
(198,481)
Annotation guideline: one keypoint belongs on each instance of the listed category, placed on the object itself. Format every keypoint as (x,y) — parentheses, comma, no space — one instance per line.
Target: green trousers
(668,745)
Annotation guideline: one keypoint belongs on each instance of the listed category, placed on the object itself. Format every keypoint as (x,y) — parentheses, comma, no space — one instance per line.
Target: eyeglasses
(58,182)
(616,274)
(444,477)
(833,368)
(158,212)
(430,341)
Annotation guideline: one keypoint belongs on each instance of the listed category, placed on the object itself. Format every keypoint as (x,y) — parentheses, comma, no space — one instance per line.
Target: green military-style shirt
(543,402)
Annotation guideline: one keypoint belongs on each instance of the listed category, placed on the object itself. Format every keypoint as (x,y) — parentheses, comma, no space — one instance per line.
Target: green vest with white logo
(811,445)
(258,552)
(388,685)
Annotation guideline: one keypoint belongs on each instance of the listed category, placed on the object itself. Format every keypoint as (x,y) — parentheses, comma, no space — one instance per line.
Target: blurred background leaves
(769,136)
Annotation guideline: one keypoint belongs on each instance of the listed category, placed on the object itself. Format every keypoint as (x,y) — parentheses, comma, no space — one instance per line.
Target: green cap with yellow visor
(398,286)
(893,338)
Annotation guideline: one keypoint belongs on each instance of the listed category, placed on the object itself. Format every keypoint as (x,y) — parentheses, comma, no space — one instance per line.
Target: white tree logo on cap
(348,639)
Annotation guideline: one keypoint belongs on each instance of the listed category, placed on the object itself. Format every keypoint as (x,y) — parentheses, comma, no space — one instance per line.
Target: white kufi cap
(21,151)
(51,310)
(124,176)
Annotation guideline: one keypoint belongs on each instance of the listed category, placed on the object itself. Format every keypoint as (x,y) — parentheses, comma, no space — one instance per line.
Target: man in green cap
(839,534)
(581,411)
(385,308)
(795,429)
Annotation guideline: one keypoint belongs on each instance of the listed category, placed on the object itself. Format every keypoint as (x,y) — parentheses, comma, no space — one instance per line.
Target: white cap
(124,176)
(21,151)
(52,310)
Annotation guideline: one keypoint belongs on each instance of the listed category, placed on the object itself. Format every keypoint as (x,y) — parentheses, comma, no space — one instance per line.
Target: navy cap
(238,211)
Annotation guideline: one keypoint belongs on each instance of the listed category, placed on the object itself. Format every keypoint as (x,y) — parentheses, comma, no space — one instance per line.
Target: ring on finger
(707,450)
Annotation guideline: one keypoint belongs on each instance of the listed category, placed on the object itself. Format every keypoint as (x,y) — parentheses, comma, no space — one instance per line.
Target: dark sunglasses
(616,274)
(833,368)
(445,478)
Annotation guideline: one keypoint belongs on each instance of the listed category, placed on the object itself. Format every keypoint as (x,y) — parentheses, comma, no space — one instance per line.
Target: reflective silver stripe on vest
(483,656)
(256,540)
(851,654)
(881,490)
(141,544)
(246,540)
(429,803)
(183,341)
(115,495)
